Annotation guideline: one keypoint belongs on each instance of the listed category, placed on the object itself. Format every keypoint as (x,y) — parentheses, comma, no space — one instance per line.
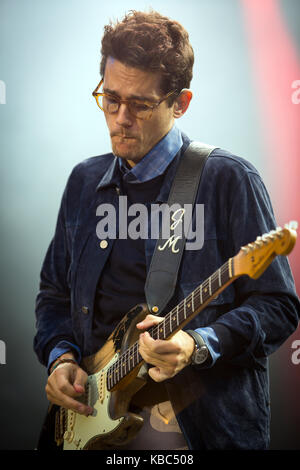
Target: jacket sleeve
(53,313)
(267,310)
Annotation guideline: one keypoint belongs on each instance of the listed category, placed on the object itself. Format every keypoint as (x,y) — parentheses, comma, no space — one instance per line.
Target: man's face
(132,138)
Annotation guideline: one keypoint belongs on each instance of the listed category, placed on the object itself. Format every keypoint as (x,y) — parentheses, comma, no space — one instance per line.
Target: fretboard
(173,321)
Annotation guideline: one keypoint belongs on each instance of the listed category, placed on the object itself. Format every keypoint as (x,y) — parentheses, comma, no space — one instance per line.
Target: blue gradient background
(49,62)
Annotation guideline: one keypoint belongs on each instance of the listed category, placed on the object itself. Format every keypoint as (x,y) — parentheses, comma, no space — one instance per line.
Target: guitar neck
(174,321)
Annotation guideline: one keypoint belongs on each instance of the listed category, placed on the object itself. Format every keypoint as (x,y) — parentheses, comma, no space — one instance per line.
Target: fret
(136,355)
(161,329)
(230,268)
(214,283)
(131,358)
(173,320)
(205,296)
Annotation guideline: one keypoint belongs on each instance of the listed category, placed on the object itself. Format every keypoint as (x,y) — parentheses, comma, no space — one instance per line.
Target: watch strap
(200,347)
(197,338)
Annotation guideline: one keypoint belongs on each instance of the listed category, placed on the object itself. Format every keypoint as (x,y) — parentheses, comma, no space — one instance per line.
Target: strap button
(103,244)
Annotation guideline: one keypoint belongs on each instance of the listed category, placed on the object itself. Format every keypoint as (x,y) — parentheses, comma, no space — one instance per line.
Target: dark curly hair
(152,42)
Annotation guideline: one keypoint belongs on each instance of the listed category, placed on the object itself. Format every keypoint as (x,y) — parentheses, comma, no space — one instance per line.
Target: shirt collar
(155,162)
(112,174)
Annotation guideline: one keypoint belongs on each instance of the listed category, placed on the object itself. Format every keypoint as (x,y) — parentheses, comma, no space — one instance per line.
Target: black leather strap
(162,276)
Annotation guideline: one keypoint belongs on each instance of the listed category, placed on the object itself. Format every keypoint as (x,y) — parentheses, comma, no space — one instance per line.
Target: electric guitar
(116,369)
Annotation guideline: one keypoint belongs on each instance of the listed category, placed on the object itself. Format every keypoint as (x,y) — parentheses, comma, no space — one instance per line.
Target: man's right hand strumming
(65,383)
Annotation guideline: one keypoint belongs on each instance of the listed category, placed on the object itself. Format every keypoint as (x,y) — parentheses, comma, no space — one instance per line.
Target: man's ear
(182,103)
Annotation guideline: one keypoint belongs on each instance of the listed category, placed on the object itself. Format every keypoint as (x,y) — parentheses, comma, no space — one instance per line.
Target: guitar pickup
(101,385)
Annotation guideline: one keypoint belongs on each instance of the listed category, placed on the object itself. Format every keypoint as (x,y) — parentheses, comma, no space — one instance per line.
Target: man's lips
(123,136)
(123,139)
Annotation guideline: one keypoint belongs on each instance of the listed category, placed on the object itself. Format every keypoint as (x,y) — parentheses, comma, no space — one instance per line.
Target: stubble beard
(131,153)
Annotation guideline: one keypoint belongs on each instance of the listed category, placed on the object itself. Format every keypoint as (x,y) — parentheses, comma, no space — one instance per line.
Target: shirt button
(85,310)
(103,244)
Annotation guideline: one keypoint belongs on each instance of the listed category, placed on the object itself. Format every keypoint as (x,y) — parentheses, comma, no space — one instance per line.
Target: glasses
(140,109)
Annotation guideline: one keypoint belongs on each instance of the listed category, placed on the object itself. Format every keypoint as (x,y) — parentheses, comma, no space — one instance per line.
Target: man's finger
(67,402)
(159,375)
(158,346)
(80,380)
(149,321)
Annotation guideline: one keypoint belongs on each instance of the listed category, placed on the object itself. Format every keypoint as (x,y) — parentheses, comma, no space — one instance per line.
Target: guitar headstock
(254,258)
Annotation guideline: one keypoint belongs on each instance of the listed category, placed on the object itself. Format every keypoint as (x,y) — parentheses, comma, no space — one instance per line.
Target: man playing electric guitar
(216,366)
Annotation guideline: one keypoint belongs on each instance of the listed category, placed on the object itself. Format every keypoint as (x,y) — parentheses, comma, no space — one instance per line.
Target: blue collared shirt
(155,162)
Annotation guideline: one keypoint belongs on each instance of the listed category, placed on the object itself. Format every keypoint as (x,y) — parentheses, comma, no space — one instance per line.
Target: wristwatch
(201,352)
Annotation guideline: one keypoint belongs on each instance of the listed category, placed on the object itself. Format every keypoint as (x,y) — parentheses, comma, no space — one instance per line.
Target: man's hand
(167,356)
(66,383)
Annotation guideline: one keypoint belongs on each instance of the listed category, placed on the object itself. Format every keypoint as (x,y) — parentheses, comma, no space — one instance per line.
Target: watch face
(200,355)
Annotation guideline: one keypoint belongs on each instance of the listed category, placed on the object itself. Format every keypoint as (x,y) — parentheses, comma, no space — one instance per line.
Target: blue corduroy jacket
(226,406)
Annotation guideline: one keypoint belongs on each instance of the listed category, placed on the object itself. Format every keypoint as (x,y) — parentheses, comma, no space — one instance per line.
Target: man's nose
(124,118)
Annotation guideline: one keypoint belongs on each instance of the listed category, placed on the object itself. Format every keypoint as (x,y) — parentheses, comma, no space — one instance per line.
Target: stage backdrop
(246,99)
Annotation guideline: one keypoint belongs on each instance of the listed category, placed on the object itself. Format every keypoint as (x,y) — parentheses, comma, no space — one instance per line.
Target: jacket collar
(112,175)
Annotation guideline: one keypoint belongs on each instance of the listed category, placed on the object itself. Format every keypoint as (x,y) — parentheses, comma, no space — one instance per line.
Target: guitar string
(178,310)
(181,308)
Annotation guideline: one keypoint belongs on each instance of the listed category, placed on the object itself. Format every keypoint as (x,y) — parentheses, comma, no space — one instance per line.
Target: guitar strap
(162,275)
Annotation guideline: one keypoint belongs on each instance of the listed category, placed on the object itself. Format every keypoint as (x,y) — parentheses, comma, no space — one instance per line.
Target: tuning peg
(279,232)
(293,225)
